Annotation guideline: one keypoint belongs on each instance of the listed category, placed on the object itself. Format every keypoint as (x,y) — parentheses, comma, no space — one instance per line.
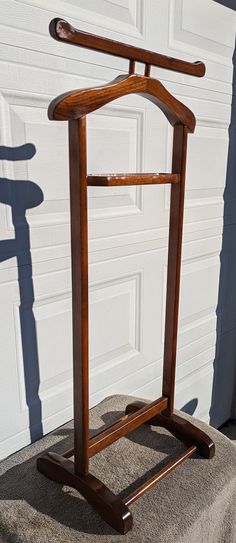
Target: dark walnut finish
(159,475)
(73,107)
(108,505)
(76,104)
(179,427)
(123,426)
(117,180)
(63,31)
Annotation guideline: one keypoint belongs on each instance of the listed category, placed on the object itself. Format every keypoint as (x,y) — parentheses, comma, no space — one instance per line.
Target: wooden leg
(179,427)
(79,269)
(174,264)
(107,504)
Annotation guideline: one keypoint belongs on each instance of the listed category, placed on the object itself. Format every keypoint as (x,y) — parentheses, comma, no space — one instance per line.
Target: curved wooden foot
(179,427)
(107,504)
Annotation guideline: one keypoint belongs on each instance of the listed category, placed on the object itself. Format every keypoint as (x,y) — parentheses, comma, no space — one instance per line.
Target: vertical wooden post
(79,256)
(174,264)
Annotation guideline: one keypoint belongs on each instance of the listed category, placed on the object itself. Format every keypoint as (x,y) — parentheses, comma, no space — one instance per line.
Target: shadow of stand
(223,390)
(22,195)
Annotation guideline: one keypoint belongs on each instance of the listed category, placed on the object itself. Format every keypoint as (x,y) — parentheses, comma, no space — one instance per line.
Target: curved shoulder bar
(62,31)
(78,103)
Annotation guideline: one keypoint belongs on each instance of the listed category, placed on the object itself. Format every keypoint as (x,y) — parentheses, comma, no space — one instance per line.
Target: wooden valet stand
(73,107)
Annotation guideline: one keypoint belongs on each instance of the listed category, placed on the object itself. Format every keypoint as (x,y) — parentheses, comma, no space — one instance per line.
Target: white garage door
(128,226)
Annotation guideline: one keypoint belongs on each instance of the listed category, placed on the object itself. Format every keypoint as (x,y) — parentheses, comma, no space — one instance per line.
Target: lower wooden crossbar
(114,510)
(159,475)
(123,426)
(111,507)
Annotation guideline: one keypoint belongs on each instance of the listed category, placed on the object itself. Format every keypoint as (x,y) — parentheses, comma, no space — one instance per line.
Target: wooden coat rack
(73,107)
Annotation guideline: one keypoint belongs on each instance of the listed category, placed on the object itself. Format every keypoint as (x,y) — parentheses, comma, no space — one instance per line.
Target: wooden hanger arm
(76,104)
(62,31)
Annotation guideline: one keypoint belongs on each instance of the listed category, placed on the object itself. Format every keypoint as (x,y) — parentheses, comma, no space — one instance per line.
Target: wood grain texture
(148,485)
(79,267)
(118,180)
(121,427)
(179,427)
(62,31)
(76,104)
(174,264)
(125,425)
(109,506)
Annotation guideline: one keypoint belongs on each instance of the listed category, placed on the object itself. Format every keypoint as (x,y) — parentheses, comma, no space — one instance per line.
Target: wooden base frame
(109,506)
(180,428)
(73,107)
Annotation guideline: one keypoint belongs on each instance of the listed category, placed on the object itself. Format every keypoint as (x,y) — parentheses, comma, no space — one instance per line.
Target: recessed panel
(205,26)
(207,161)
(193,393)
(54,341)
(116,9)
(114,316)
(198,278)
(114,140)
(198,19)
(47,167)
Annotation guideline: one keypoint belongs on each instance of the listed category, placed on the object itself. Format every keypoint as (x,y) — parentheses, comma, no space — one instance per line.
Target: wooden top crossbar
(78,103)
(62,31)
